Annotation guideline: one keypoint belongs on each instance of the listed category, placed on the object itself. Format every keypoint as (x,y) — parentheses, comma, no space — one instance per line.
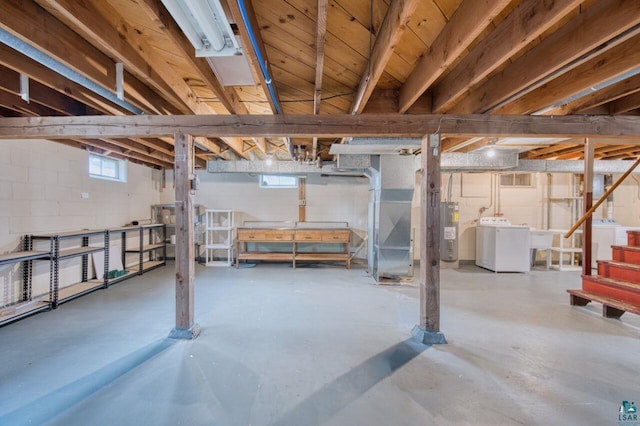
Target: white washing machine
(604,234)
(501,246)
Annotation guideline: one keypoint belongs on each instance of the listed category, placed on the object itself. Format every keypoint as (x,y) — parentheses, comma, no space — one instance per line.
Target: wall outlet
(84,195)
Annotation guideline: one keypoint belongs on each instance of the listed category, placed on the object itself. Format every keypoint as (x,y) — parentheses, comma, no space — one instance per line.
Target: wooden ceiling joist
(614,62)
(481,143)
(625,104)
(527,22)
(333,126)
(250,51)
(16,103)
(208,145)
(10,81)
(540,153)
(393,27)
(469,20)
(126,152)
(25,19)
(22,64)
(451,144)
(157,12)
(577,40)
(609,94)
(96,28)
(321,36)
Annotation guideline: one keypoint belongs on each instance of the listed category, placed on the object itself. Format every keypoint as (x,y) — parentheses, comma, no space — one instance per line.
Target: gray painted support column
(428,331)
(185,265)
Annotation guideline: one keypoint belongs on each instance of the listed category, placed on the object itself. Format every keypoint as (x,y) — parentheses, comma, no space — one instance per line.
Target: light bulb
(491,153)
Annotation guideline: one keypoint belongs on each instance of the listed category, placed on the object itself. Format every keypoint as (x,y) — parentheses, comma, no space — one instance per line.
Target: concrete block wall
(338,199)
(41,183)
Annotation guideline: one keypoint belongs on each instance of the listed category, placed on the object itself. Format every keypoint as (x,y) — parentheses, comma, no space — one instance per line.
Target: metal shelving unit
(63,294)
(151,247)
(218,237)
(26,306)
(151,254)
(165,214)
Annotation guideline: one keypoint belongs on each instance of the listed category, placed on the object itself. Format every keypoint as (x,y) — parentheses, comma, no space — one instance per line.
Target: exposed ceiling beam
(22,64)
(208,145)
(626,104)
(261,143)
(97,29)
(528,21)
(138,148)
(599,97)
(16,103)
(227,96)
(546,151)
(393,27)
(250,51)
(608,151)
(482,142)
(614,62)
(383,101)
(628,155)
(28,21)
(10,81)
(328,126)
(451,144)
(127,147)
(469,20)
(575,153)
(586,34)
(5,112)
(109,145)
(321,36)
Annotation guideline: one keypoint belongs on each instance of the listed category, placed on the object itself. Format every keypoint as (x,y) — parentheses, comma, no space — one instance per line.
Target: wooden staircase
(617,285)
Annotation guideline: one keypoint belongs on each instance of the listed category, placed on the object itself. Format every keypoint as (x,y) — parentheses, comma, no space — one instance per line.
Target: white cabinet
(219,237)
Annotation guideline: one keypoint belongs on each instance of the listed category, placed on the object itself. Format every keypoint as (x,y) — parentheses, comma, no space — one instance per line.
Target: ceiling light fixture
(491,151)
(205,25)
(269,160)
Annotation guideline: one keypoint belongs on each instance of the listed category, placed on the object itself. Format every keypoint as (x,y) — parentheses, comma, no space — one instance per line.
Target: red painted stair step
(633,238)
(626,254)
(619,271)
(615,289)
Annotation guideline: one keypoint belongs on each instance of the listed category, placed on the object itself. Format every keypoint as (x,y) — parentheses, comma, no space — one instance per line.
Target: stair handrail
(601,200)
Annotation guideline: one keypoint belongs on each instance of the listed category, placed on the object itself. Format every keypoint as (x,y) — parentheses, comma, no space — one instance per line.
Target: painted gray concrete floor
(321,345)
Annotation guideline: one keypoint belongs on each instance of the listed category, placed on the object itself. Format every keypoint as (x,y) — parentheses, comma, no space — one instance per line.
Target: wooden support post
(588,202)
(428,331)
(302,199)
(185,265)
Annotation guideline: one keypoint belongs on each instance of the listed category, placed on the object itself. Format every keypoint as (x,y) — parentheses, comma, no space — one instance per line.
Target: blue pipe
(263,66)
(261,61)
(57,66)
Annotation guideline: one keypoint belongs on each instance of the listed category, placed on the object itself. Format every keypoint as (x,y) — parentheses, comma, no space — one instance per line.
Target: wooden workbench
(290,239)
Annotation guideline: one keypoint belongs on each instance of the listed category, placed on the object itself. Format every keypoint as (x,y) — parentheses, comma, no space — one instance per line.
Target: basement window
(107,168)
(516,179)
(278,181)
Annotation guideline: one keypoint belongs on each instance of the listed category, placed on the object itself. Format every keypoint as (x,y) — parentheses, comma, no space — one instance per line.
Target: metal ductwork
(392,179)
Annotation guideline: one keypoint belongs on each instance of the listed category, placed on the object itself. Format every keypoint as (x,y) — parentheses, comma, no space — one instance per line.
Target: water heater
(449,216)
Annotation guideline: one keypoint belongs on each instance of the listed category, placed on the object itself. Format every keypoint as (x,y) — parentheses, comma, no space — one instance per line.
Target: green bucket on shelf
(116,273)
